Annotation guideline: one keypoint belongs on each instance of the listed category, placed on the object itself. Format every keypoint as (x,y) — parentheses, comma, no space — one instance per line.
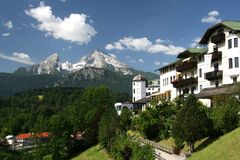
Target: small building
(138,87)
(153,86)
(120,106)
(28,139)
(10,139)
(142,104)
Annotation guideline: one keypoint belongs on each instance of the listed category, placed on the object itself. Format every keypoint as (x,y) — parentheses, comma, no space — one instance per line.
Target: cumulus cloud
(140,60)
(157,63)
(211,17)
(145,45)
(115,45)
(195,42)
(6,34)
(9,24)
(18,57)
(73,28)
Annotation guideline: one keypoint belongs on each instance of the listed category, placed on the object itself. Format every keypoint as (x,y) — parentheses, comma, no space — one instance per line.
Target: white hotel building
(205,71)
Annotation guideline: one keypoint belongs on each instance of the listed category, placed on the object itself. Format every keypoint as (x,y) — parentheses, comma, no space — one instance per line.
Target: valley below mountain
(96,68)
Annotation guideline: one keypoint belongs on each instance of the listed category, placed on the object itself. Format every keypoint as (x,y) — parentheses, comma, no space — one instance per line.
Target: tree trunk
(191,148)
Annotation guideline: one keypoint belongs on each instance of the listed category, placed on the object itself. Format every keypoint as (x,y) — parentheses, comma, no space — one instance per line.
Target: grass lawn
(93,154)
(226,147)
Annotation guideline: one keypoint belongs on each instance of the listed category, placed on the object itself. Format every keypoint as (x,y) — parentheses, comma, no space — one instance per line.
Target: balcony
(220,37)
(186,65)
(213,75)
(184,82)
(216,56)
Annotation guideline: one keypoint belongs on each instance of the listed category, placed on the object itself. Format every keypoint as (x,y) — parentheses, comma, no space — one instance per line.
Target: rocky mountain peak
(95,59)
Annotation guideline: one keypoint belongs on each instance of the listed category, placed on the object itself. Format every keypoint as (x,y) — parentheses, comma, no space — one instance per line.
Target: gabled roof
(233,25)
(24,136)
(192,51)
(143,100)
(139,77)
(226,89)
(31,135)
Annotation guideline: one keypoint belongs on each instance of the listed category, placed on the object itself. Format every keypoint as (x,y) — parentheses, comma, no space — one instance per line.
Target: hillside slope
(226,147)
(93,153)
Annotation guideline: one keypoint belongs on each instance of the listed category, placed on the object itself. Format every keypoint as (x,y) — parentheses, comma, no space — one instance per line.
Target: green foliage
(191,122)
(61,111)
(123,149)
(142,152)
(224,114)
(125,119)
(108,125)
(155,123)
(8,154)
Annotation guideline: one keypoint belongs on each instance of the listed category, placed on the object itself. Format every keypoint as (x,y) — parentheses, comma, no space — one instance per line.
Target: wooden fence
(158,146)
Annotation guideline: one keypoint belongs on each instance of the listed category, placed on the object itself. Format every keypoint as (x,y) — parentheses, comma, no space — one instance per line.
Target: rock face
(51,65)
(98,59)
(95,59)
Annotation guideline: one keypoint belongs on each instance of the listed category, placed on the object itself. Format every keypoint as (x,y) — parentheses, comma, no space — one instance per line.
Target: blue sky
(145,34)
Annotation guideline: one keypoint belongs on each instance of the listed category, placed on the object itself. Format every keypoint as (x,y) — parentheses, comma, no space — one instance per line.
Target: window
(133,90)
(200,72)
(235,42)
(200,87)
(170,79)
(230,63)
(236,62)
(229,43)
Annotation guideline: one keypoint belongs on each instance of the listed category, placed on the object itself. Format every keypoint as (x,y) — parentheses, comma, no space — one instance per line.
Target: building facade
(139,84)
(212,66)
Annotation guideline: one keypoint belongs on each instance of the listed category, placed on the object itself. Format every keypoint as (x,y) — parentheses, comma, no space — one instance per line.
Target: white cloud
(115,45)
(157,63)
(6,34)
(195,42)
(140,60)
(113,55)
(136,44)
(73,28)
(63,0)
(9,24)
(144,45)
(18,57)
(211,17)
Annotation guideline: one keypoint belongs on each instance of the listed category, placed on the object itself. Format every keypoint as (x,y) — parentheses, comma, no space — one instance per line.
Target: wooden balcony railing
(184,82)
(213,75)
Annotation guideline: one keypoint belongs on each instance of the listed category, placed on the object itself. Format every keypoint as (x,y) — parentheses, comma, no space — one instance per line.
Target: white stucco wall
(138,90)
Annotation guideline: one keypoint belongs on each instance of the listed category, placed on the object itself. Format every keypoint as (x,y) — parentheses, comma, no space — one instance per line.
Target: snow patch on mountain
(95,59)
(98,59)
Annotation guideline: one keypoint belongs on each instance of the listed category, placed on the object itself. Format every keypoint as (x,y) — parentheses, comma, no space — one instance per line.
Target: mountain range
(96,68)
(95,59)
